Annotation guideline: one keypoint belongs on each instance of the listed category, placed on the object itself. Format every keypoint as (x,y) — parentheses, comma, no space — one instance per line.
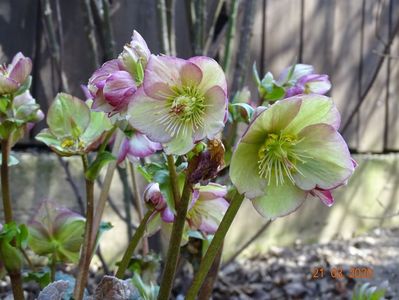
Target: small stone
(295,289)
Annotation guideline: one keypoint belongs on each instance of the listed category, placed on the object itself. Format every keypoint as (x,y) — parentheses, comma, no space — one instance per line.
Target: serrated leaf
(101,160)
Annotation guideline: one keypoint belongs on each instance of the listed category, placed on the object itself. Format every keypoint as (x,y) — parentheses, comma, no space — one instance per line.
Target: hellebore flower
(13,76)
(181,102)
(154,198)
(303,80)
(290,76)
(73,128)
(310,84)
(291,150)
(204,214)
(58,231)
(207,208)
(137,146)
(113,85)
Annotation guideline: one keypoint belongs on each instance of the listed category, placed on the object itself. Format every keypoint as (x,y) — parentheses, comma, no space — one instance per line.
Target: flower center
(278,157)
(186,107)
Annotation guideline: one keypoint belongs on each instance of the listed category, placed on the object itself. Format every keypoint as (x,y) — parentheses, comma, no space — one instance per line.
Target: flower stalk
(139,203)
(174,244)
(173,179)
(134,241)
(214,247)
(15,275)
(85,259)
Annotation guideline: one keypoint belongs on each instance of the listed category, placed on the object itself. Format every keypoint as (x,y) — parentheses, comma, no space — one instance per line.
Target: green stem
(214,247)
(105,188)
(15,275)
(132,245)
(173,179)
(5,181)
(174,244)
(139,202)
(52,267)
(230,35)
(85,258)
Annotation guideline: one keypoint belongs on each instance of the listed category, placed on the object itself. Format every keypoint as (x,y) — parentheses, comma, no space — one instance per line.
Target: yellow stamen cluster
(186,108)
(278,157)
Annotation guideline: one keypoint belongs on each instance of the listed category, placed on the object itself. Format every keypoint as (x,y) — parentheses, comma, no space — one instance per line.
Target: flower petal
(191,74)
(299,71)
(141,146)
(145,114)
(162,73)
(99,76)
(212,73)
(314,109)
(272,120)
(118,89)
(212,190)
(20,68)
(279,200)
(7,85)
(329,163)
(244,172)
(324,195)
(215,109)
(180,144)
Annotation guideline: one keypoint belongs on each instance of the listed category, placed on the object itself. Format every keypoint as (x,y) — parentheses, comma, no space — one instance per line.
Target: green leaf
(4,104)
(43,278)
(101,160)
(267,82)
(68,116)
(291,72)
(275,94)
(244,111)
(255,73)
(147,176)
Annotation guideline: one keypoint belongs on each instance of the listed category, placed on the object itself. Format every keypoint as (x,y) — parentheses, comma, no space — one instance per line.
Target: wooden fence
(354,41)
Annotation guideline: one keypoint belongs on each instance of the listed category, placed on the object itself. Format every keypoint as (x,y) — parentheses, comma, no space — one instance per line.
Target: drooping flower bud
(154,197)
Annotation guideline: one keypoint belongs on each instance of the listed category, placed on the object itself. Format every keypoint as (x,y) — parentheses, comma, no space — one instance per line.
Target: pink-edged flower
(181,102)
(154,198)
(290,151)
(113,85)
(137,146)
(310,84)
(13,76)
(207,208)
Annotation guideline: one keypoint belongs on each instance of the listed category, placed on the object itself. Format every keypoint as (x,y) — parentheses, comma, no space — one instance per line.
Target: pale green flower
(291,150)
